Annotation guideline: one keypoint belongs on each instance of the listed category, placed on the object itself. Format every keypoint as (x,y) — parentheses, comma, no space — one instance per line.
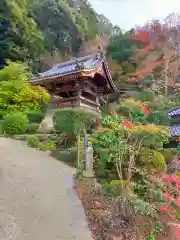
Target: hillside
(31,30)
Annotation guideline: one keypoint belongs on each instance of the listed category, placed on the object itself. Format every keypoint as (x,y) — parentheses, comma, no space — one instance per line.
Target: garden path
(37,201)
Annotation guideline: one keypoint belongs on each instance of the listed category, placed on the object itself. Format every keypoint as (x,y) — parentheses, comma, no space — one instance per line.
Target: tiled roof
(89,62)
(178,78)
(174,112)
(174,130)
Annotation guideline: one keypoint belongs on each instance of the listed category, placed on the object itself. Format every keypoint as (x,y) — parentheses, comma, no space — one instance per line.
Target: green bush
(114,187)
(69,120)
(146,95)
(33,141)
(139,188)
(158,117)
(35,117)
(48,145)
(68,156)
(159,161)
(151,157)
(15,123)
(46,137)
(2,114)
(167,153)
(32,127)
(1,126)
(42,147)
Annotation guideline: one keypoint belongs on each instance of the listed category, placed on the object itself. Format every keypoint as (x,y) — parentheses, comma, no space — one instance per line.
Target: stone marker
(89,162)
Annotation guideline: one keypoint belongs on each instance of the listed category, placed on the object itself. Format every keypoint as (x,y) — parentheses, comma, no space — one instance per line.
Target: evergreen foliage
(16,94)
(15,123)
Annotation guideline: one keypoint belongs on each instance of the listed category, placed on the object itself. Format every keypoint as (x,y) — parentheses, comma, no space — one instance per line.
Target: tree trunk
(129,172)
(166,77)
(98,123)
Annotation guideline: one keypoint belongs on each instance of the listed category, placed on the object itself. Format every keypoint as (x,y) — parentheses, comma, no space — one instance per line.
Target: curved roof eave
(174,111)
(91,63)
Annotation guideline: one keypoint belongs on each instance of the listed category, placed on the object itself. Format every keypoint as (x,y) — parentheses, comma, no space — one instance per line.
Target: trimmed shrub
(48,145)
(32,127)
(35,117)
(167,153)
(15,123)
(114,187)
(33,141)
(146,95)
(69,120)
(69,156)
(63,120)
(151,157)
(159,161)
(42,147)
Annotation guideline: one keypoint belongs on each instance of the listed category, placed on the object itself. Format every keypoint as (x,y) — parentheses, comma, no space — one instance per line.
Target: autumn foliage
(171,201)
(127,124)
(145,109)
(145,35)
(159,51)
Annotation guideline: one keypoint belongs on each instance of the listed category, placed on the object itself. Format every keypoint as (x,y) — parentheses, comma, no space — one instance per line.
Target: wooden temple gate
(77,83)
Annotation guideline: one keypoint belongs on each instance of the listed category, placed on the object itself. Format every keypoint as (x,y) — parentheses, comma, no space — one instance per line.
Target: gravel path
(36,197)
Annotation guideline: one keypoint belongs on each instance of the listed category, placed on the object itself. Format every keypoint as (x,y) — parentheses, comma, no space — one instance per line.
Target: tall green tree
(56,21)
(121,47)
(19,37)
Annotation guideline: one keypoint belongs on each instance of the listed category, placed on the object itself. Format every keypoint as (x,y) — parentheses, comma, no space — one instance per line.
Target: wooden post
(97,102)
(79,93)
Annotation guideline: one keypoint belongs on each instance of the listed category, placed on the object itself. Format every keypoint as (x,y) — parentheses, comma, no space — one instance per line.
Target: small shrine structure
(174,127)
(174,115)
(77,83)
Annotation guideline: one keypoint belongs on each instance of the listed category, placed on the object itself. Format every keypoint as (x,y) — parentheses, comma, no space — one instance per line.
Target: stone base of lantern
(88,174)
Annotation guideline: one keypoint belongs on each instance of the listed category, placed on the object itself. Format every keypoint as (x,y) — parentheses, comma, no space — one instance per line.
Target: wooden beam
(91,84)
(66,88)
(89,101)
(66,99)
(47,82)
(79,93)
(88,90)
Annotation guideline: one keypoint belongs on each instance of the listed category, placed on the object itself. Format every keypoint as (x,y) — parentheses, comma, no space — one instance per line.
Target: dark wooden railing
(66,102)
(75,102)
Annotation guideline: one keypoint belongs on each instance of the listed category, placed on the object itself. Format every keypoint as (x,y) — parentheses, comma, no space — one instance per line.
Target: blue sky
(128,13)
